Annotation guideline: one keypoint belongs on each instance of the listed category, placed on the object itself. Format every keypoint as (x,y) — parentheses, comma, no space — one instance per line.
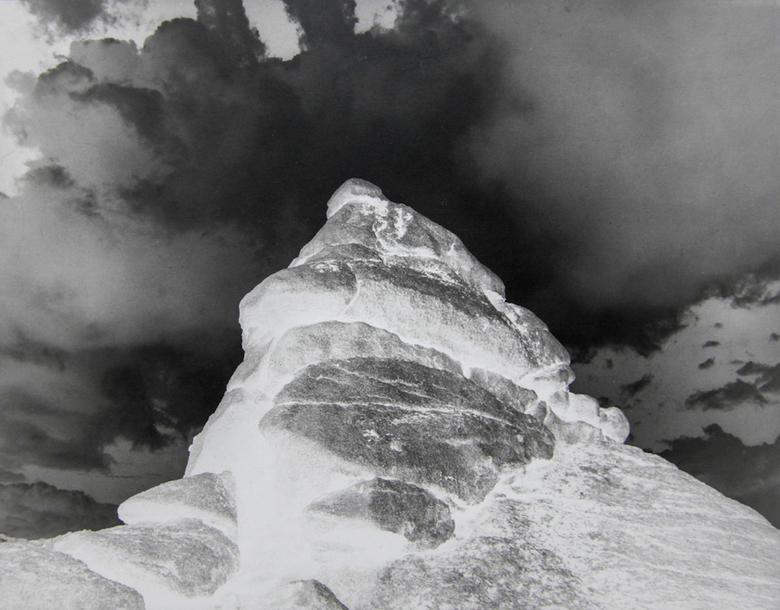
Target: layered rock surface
(399,437)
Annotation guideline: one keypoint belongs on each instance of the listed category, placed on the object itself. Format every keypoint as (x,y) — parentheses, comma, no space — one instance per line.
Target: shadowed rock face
(409,421)
(399,436)
(302,595)
(393,506)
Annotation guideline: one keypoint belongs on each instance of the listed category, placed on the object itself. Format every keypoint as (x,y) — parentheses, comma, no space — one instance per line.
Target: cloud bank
(38,510)
(613,161)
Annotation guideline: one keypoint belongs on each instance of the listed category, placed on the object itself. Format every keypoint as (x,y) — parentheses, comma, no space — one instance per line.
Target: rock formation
(400,437)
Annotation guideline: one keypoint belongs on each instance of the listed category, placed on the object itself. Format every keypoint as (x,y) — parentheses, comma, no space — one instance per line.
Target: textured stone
(419,308)
(507,392)
(604,527)
(302,346)
(186,557)
(410,422)
(548,381)
(566,432)
(393,506)
(359,213)
(35,578)
(293,297)
(301,595)
(206,497)
(638,533)
(485,572)
(613,424)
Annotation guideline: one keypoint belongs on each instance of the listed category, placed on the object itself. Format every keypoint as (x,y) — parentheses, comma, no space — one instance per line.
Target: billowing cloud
(7,476)
(750,474)
(643,139)
(38,510)
(572,152)
(753,368)
(708,363)
(173,178)
(67,15)
(632,389)
(75,16)
(730,396)
(767,377)
(609,161)
(754,289)
(718,369)
(60,410)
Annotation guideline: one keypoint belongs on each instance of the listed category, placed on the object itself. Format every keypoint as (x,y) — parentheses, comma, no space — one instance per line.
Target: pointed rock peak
(364,224)
(355,190)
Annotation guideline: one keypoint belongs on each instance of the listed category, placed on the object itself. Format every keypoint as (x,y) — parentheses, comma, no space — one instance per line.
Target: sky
(615,162)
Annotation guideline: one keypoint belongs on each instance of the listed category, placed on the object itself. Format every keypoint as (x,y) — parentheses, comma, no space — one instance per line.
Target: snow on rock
(399,436)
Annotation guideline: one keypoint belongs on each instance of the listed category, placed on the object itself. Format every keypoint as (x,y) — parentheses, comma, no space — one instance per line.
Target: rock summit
(401,437)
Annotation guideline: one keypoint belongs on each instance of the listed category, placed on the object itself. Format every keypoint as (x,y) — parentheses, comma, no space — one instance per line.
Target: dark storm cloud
(70,16)
(158,391)
(34,432)
(173,178)
(707,364)
(632,389)
(730,396)
(755,289)
(767,376)
(6,476)
(753,368)
(644,136)
(38,510)
(23,350)
(330,22)
(553,157)
(227,21)
(750,474)
(62,411)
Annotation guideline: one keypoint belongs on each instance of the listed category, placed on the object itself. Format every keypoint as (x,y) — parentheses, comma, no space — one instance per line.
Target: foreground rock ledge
(400,437)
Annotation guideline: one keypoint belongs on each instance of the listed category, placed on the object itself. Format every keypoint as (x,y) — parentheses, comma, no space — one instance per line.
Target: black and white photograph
(390,304)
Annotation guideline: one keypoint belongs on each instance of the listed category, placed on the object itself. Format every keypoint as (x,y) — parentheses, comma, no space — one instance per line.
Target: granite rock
(393,506)
(300,595)
(207,497)
(408,421)
(33,577)
(185,557)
